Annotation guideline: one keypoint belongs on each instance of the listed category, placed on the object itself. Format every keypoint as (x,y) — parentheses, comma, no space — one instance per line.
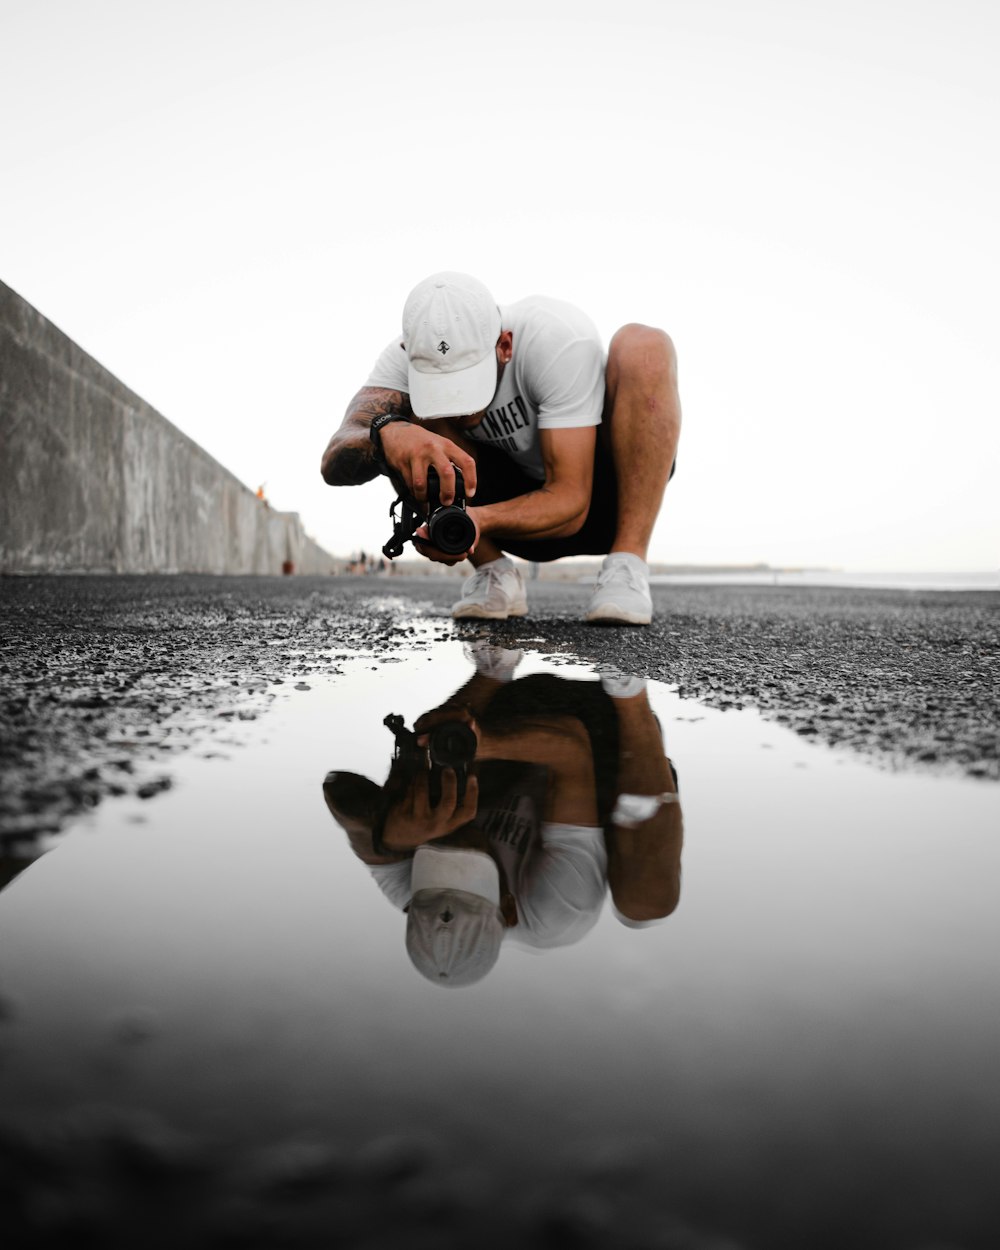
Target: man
(563,451)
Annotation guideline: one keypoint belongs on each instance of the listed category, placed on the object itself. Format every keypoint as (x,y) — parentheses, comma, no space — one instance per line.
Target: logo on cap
(443,347)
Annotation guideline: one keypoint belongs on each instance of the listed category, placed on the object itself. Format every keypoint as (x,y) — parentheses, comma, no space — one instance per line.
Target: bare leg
(644,858)
(486,551)
(642,419)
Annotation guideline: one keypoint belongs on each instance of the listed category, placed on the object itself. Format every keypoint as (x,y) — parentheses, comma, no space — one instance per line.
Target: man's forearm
(349,458)
(544,513)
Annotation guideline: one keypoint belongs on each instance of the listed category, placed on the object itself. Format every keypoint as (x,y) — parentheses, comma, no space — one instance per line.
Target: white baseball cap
(451,324)
(454,925)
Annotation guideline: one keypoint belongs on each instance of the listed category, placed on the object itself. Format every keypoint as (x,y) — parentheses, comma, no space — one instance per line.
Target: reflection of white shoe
(496,662)
(621,595)
(620,686)
(494,592)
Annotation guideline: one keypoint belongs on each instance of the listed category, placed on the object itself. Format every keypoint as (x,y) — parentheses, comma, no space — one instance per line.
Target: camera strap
(403,527)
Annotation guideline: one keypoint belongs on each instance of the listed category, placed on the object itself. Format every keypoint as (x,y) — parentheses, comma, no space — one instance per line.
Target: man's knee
(641,355)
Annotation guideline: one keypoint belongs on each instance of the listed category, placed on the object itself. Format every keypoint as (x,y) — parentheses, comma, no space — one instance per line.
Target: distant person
(564,450)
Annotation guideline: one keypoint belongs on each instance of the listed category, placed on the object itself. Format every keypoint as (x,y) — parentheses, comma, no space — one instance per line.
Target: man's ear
(505,347)
(509,909)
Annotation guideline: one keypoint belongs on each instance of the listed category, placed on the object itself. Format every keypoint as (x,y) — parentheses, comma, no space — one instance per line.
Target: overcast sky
(226,203)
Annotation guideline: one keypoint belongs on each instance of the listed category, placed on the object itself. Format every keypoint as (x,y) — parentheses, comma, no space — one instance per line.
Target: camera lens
(451,530)
(452,744)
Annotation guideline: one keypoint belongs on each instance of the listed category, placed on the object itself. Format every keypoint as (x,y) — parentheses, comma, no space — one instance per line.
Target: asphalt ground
(105,678)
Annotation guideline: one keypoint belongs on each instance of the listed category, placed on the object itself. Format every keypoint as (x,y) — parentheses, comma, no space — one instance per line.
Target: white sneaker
(494,592)
(498,663)
(621,686)
(621,595)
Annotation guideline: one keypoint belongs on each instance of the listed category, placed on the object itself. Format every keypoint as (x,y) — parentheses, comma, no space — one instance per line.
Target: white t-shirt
(555,379)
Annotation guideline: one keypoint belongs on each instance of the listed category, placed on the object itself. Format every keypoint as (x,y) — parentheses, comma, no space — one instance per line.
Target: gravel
(105,679)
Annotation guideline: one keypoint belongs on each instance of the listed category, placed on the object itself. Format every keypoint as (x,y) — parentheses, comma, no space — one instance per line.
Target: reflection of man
(570,794)
(566,450)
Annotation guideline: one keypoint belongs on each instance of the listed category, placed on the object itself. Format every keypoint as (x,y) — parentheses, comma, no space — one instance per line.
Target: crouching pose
(564,450)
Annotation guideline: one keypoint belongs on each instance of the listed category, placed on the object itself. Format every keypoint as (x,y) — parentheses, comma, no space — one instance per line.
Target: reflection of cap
(454,925)
(455,868)
(451,324)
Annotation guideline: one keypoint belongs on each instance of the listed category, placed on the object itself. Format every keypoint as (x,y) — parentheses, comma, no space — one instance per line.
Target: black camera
(449,527)
(450,744)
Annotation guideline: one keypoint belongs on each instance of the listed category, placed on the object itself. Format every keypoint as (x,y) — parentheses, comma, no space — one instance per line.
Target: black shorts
(498,478)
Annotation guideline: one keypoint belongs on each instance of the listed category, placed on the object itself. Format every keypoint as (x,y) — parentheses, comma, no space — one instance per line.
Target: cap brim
(449,868)
(453,394)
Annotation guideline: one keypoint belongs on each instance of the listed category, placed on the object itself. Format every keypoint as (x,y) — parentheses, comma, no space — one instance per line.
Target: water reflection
(11,866)
(210,1033)
(511,810)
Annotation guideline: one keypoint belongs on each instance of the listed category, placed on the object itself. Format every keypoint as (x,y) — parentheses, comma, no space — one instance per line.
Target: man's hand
(446,714)
(411,449)
(421,544)
(412,820)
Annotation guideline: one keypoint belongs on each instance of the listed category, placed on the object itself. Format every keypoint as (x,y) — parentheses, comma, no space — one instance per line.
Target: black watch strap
(376,427)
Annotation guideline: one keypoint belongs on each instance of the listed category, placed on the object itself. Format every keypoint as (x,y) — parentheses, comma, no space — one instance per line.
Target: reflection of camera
(451,744)
(449,528)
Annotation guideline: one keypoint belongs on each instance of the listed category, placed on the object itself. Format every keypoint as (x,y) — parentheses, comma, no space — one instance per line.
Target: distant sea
(823,577)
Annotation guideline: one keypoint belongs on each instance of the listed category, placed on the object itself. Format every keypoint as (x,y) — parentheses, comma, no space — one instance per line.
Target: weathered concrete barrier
(92,479)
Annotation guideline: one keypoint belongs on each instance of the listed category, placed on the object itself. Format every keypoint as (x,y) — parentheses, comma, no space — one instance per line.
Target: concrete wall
(94,480)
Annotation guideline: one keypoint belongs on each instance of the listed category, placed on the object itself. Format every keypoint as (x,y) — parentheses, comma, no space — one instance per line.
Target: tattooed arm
(409,449)
(349,458)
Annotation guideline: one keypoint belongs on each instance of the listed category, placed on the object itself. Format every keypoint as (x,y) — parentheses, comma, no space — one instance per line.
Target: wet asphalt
(106,679)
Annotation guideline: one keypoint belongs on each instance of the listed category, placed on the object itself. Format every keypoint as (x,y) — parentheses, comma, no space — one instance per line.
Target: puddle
(763,1015)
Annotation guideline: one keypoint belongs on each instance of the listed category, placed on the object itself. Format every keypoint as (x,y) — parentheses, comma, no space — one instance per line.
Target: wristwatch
(376,427)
